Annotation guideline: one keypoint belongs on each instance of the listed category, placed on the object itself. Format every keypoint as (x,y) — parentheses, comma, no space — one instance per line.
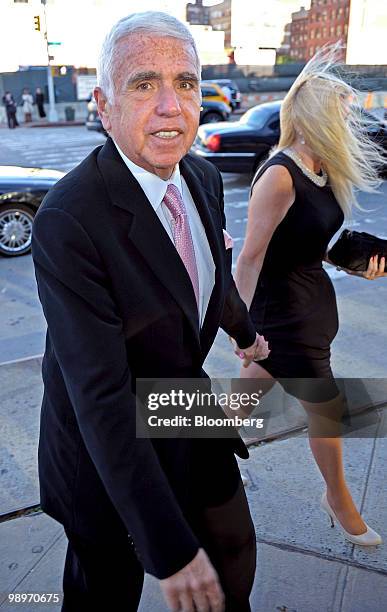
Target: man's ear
(103,108)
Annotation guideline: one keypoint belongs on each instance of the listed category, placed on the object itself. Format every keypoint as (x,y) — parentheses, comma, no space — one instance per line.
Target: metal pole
(52,113)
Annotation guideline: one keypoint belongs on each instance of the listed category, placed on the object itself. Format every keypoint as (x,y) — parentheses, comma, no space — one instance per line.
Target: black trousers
(101,576)
(106,574)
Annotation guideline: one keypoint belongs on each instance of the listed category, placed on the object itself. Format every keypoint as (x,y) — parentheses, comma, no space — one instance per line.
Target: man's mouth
(167,134)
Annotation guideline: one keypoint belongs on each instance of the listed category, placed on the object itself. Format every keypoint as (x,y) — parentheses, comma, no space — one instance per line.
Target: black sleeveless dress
(294,304)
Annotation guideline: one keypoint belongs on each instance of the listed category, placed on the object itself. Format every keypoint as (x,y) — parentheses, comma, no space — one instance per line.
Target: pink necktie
(182,234)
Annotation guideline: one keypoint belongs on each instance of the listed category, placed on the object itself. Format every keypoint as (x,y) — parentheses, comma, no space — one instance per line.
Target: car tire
(212,117)
(16,222)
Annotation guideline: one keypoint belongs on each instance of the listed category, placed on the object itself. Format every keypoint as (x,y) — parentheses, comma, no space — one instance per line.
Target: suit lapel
(147,233)
(153,243)
(208,207)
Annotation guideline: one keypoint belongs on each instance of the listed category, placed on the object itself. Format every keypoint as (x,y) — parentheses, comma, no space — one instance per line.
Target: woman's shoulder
(278,158)
(276,168)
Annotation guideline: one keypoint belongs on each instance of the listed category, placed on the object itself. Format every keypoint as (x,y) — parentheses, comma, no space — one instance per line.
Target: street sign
(54,43)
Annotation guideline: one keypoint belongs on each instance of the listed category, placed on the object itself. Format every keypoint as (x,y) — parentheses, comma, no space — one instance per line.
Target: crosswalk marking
(59,149)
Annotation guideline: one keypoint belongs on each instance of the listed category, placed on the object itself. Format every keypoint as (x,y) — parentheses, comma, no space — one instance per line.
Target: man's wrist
(246,338)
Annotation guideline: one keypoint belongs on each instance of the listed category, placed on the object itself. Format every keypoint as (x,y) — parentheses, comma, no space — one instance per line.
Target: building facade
(220,19)
(327,24)
(197,14)
(299,35)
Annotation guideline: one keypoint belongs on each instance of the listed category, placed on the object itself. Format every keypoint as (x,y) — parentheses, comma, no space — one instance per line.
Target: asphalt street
(21,322)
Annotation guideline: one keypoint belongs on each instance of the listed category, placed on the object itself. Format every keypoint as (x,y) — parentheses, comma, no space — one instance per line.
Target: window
(338,30)
(208,91)
(274,123)
(312,34)
(257,116)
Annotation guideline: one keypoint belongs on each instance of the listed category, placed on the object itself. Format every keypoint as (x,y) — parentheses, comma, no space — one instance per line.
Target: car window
(209,91)
(274,123)
(257,116)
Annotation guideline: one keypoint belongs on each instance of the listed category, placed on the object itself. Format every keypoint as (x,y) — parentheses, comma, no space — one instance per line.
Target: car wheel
(212,117)
(15,229)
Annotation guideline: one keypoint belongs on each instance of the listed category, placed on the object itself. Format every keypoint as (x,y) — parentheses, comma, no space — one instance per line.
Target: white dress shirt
(155,189)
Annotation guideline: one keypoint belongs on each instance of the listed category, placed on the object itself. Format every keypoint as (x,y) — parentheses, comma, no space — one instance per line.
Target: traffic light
(37,23)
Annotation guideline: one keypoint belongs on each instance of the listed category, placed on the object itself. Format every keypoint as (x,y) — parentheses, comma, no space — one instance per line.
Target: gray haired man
(135,281)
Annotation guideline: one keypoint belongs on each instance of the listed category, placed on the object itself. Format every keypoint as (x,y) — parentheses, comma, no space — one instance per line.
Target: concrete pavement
(303,564)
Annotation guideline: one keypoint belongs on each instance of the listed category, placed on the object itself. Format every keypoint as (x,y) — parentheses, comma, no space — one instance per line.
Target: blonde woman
(299,199)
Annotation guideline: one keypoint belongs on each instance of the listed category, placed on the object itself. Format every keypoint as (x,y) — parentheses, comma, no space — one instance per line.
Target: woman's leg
(247,383)
(324,426)
(328,454)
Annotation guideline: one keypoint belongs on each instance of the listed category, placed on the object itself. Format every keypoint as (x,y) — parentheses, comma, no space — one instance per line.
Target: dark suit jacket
(119,305)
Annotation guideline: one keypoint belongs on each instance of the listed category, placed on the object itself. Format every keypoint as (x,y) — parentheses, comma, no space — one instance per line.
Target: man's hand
(196,587)
(256,352)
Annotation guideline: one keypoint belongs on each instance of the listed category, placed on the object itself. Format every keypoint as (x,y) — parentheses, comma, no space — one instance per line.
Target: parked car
(236,97)
(21,193)
(213,92)
(210,112)
(242,145)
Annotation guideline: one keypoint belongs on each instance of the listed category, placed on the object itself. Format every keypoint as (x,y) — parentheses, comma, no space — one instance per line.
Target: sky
(80,26)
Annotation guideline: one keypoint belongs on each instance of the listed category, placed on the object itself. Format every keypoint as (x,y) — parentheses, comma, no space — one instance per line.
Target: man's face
(155,113)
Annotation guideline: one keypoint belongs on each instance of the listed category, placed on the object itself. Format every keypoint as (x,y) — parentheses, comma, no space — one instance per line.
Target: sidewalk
(302,565)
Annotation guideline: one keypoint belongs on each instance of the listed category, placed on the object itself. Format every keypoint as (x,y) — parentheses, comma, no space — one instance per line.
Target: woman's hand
(256,352)
(375,269)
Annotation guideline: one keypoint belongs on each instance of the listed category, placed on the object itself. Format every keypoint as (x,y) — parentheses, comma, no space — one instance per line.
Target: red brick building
(326,22)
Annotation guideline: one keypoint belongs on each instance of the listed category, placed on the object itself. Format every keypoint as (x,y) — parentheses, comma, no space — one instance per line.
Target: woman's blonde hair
(327,112)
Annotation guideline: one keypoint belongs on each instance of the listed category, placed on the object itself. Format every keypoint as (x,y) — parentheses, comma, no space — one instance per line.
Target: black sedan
(240,146)
(243,145)
(21,192)
(210,112)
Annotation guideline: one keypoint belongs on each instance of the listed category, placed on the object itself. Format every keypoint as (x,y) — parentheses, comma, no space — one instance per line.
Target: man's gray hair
(153,23)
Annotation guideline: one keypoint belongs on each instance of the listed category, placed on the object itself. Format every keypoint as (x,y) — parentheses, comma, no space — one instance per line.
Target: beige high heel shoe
(368,538)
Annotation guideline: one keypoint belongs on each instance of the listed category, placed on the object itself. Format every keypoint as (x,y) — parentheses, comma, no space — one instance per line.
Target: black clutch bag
(353,250)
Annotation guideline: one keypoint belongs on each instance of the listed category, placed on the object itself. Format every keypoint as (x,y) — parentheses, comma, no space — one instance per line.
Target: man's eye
(186,85)
(144,86)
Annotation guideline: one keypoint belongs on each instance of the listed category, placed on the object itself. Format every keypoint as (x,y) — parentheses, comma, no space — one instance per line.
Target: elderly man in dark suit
(135,280)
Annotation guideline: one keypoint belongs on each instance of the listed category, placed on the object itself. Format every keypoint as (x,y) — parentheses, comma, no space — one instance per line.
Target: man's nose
(168,102)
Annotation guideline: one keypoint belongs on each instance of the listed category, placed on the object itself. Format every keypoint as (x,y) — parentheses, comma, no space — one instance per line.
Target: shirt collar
(152,185)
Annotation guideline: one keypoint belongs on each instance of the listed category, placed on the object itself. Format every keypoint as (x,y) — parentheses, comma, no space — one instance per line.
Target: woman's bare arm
(272,196)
